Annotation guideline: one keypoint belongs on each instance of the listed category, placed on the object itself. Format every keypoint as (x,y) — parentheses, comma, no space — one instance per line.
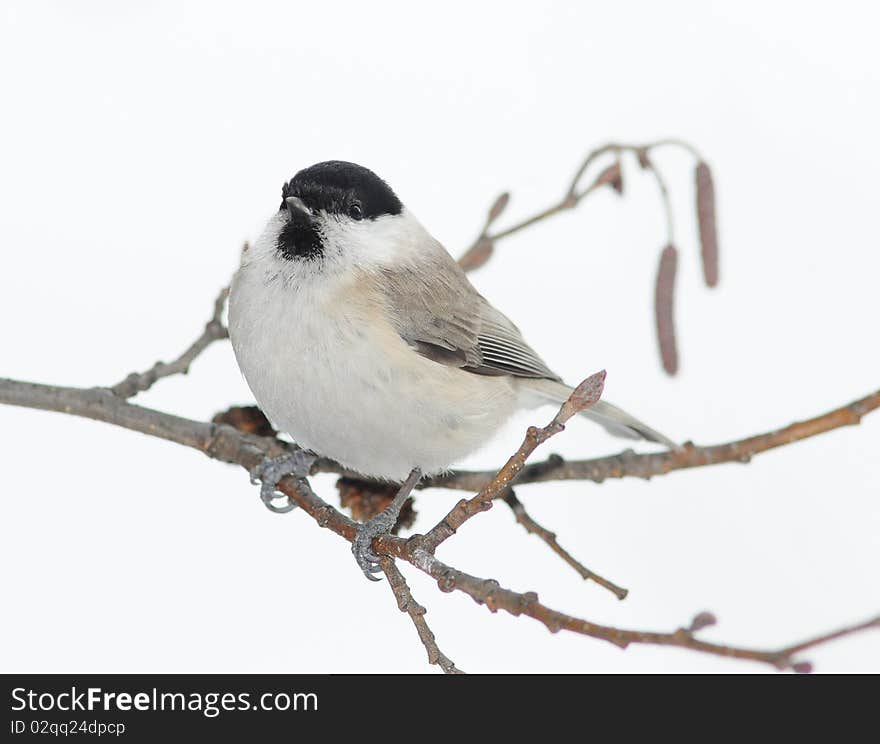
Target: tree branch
(583,396)
(243,437)
(629,464)
(138,382)
(406,603)
(481,250)
(549,538)
(488,592)
(224,443)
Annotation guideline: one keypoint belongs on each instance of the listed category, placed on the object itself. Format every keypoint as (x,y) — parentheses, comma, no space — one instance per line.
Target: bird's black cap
(334,186)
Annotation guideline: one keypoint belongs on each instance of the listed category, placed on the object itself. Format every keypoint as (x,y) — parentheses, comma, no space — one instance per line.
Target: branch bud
(498,207)
(584,395)
(702,620)
(478,255)
(612,176)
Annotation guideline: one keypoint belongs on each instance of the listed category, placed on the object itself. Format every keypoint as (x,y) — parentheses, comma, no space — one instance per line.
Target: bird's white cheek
(383,242)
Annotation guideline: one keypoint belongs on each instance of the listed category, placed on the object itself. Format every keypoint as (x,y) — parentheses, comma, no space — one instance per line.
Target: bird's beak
(296,207)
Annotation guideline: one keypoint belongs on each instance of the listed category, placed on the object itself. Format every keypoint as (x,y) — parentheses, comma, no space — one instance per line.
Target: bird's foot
(361,546)
(381,524)
(273,469)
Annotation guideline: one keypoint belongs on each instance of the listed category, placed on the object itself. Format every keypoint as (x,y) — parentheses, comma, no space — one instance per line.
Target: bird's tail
(613,419)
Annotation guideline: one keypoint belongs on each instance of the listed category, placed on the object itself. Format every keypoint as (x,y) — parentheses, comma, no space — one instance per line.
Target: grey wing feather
(503,348)
(437,311)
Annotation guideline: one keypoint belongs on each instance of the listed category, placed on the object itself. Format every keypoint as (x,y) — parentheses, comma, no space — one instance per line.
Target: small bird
(362,338)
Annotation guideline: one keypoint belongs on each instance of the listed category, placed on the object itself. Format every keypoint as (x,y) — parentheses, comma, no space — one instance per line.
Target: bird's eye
(355,211)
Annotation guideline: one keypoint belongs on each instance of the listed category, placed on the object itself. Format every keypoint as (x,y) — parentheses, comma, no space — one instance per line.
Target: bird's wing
(503,349)
(437,311)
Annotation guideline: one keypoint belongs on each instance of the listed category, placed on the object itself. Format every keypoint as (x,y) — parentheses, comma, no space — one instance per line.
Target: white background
(142,144)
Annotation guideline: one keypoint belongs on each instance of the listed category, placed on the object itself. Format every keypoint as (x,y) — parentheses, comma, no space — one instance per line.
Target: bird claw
(361,546)
(381,524)
(273,469)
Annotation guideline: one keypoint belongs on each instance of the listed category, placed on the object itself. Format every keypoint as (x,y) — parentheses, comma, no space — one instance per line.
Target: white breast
(326,367)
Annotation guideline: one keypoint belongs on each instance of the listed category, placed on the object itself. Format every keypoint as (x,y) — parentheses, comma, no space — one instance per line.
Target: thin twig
(406,603)
(644,157)
(574,195)
(481,250)
(138,382)
(549,538)
(483,246)
(583,396)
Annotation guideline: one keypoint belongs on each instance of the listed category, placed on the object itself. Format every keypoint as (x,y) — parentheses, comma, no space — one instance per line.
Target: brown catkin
(664,300)
(706,219)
